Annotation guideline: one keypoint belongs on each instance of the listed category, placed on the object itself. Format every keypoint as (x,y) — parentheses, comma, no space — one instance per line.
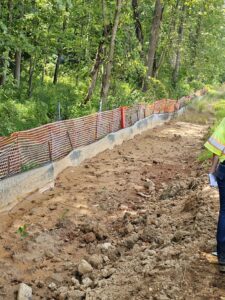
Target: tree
(109,62)
(153,41)
(178,48)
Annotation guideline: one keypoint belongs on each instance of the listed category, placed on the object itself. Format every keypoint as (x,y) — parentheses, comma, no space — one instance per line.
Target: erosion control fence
(29,149)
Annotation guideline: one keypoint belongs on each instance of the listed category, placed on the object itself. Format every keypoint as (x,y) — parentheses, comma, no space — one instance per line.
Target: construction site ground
(135,222)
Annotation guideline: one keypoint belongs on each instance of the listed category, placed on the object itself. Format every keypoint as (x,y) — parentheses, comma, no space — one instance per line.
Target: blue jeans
(220,176)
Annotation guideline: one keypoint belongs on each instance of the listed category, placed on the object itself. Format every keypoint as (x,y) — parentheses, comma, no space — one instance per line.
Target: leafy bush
(156,90)
(22,116)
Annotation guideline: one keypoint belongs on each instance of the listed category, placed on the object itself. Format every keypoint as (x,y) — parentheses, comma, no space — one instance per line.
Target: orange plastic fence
(32,148)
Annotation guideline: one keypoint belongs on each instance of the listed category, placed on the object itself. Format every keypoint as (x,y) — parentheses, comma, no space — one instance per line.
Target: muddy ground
(132,223)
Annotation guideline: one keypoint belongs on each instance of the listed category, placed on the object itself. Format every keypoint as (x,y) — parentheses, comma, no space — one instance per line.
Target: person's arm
(215,161)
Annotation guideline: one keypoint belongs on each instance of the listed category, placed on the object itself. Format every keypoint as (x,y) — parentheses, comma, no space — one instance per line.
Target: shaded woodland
(79,56)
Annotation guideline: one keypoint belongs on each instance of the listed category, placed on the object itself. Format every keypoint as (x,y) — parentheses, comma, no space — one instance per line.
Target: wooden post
(96,127)
(50,150)
(111,122)
(8,165)
(71,144)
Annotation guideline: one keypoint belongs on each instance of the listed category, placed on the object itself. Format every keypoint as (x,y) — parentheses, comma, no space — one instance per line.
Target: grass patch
(208,110)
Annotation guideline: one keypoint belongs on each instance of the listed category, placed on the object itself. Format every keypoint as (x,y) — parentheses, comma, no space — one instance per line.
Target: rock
(150,234)
(58,277)
(40,284)
(105,259)
(131,241)
(180,235)
(138,188)
(84,267)
(52,207)
(89,237)
(150,252)
(124,207)
(149,185)
(68,266)
(49,254)
(87,282)
(105,246)
(102,283)
(106,273)
(25,292)
(129,228)
(62,296)
(62,293)
(100,232)
(96,260)
(76,295)
(171,192)
(75,282)
(52,286)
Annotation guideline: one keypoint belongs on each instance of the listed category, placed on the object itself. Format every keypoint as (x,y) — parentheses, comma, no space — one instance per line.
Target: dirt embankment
(131,223)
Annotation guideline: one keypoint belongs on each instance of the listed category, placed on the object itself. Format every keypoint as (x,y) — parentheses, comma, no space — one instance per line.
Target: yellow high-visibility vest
(216,143)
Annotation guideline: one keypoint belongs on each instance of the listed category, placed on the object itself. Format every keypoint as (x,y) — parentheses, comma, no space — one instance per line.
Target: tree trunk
(137,22)
(4,59)
(18,54)
(108,68)
(178,51)
(56,73)
(94,72)
(30,81)
(59,57)
(3,67)
(17,70)
(153,41)
(10,10)
(169,40)
(195,39)
(107,30)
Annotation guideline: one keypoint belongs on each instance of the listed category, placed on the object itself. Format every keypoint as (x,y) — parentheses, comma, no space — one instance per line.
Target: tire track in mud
(142,215)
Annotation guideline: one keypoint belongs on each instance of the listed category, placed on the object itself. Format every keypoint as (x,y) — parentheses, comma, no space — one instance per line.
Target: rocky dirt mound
(132,223)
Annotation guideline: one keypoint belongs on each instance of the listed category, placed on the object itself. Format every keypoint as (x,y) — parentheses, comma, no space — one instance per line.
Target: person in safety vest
(216,145)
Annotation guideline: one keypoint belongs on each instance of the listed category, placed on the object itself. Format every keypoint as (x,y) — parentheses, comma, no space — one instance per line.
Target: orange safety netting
(28,149)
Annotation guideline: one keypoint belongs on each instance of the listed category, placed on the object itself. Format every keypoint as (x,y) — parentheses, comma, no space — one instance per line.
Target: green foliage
(156,90)
(20,116)
(219,108)
(22,231)
(29,166)
(45,30)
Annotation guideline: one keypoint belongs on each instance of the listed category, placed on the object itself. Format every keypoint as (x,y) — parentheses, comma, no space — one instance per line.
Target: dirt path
(142,215)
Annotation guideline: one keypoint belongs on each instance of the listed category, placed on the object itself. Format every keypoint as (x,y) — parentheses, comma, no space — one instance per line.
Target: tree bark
(94,72)
(3,68)
(60,51)
(98,61)
(56,73)
(153,41)
(137,23)
(5,56)
(195,39)
(17,70)
(108,67)
(169,40)
(18,53)
(30,81)
(178,51)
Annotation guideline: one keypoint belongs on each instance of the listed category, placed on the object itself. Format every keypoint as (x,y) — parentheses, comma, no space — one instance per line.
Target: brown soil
(144,208)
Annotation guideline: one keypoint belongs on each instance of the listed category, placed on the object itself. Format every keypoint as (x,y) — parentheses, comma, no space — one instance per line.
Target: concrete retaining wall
(14,188)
